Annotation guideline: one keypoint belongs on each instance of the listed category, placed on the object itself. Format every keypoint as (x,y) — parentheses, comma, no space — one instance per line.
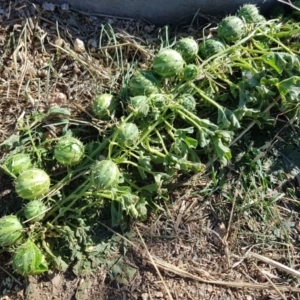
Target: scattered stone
(93,43)
(58,98)
(65,7)
(59,42)
(149,28)
(159,294)
(79,46)
(145,296)
(47,6)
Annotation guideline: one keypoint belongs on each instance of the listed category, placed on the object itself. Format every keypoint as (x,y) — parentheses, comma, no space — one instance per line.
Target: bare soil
(196,249)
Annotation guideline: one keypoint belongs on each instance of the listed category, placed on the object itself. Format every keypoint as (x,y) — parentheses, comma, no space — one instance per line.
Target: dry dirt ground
(194,249)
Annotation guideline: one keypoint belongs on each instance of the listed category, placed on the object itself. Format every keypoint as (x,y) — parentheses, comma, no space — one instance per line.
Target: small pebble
(64,7)
(159,294)
(47,6)
(79,46)
(93,43)
(59,42)
(58,98)
(145,296)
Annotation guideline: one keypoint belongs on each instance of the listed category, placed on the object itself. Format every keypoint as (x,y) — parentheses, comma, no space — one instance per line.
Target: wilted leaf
(282,61)
(223,152)
(290,87)
(56,110)
(11,141)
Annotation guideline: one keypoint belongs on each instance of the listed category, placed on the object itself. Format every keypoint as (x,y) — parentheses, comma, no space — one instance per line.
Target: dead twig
(273,263)
(175,270)
(289,3)
(270,281)
(154,265)
(230,222)
(13,277)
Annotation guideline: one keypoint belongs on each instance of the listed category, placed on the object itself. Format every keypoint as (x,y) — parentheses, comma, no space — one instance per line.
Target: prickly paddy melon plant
(190,72)
(139,106)
(180,114)
(127,134)
(143,83)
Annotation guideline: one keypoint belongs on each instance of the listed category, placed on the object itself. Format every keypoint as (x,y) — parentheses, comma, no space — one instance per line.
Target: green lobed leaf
(11,141)
(145,162)
(223,152)
(283,62)
(290,88)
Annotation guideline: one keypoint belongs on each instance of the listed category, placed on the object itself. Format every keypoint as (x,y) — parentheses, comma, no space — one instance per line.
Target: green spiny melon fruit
(35,210)
(139,105)
(29,260)
(104,105)
(168,63)
(188,48)
(69,151)
(190,72)
(105,174)
(127,134)
(248,12)
(143,83)
(11,230)
(211,47)
(231,29)
(32,184)
(18,163)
